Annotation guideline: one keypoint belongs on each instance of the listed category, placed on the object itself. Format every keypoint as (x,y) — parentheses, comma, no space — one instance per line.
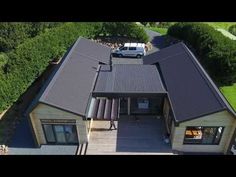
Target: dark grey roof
(192,93)
(131,78)
(93,50)
(164,53)
(70,87)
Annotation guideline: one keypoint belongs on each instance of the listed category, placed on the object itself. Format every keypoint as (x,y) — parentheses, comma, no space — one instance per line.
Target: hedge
(32,57)
(14,33)
(232,29)
(216,52)
(127,29)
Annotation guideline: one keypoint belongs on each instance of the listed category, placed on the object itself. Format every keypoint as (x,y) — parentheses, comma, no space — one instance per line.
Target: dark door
(123,106)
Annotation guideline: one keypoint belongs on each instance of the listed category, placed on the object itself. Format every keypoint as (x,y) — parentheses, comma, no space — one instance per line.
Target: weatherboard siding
(43,111)
(228,141)
(223,118)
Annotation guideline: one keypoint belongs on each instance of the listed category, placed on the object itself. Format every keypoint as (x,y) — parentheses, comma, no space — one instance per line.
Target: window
(124,48)
(132,48)
(203,135)
(146,106)
(60,134)
(49,133)
(143,103)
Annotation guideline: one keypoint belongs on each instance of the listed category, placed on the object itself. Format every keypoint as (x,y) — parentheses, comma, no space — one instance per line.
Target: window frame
(124,49)
(202,129)
(132,48)
(55,137)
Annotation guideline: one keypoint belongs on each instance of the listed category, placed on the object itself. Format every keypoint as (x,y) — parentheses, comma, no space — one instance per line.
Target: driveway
(157,40)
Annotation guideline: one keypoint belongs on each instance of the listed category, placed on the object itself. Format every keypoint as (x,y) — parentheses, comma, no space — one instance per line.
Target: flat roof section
(132,78)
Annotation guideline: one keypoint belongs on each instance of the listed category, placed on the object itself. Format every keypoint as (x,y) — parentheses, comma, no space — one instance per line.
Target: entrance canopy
(103,109)
(127,80)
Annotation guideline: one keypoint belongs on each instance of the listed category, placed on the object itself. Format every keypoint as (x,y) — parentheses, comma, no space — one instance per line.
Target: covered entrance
(137,89)
(141,105)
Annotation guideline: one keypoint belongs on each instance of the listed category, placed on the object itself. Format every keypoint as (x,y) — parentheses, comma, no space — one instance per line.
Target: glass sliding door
(60,134)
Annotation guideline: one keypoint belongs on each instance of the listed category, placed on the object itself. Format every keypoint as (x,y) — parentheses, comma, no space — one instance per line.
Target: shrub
(216,52)
(126,29)
(14,33)
(232,29)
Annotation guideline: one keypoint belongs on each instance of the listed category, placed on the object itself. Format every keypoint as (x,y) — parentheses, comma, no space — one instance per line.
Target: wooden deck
(132,137)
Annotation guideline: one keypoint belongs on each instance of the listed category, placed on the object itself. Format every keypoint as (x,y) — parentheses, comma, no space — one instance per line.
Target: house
(170,84)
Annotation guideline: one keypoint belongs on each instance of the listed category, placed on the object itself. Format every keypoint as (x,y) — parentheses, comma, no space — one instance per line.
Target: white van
(131,50)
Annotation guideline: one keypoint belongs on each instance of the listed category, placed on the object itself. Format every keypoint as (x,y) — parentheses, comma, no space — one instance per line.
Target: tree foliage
(124,29)
(14,33)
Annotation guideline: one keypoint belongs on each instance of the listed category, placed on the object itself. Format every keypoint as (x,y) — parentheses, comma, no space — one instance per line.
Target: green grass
(222,25)
(162,31)
(230,93)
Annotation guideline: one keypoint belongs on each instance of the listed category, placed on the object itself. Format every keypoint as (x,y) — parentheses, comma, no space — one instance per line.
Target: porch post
(129,105)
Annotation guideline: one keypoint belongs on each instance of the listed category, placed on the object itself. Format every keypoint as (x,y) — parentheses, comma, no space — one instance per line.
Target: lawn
(222,25)
(162,31)
(230,93)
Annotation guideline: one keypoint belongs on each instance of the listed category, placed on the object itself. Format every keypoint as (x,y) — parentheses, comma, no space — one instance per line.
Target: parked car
(131,50)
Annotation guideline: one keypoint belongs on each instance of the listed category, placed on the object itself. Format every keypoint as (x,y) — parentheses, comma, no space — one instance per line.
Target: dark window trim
(184,143)
(56,143)
(46,136)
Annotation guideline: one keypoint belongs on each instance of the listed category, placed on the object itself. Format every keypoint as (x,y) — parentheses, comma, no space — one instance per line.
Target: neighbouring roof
(129,78)
(70,87)
(191,91)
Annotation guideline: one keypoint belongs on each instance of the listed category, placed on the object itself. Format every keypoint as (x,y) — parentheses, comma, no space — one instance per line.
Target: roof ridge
(89,56)
(92,58)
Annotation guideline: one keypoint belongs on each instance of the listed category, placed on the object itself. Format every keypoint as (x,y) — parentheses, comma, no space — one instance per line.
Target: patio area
(143,135)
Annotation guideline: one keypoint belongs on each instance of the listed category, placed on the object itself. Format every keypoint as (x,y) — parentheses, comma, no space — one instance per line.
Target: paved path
(45,150)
